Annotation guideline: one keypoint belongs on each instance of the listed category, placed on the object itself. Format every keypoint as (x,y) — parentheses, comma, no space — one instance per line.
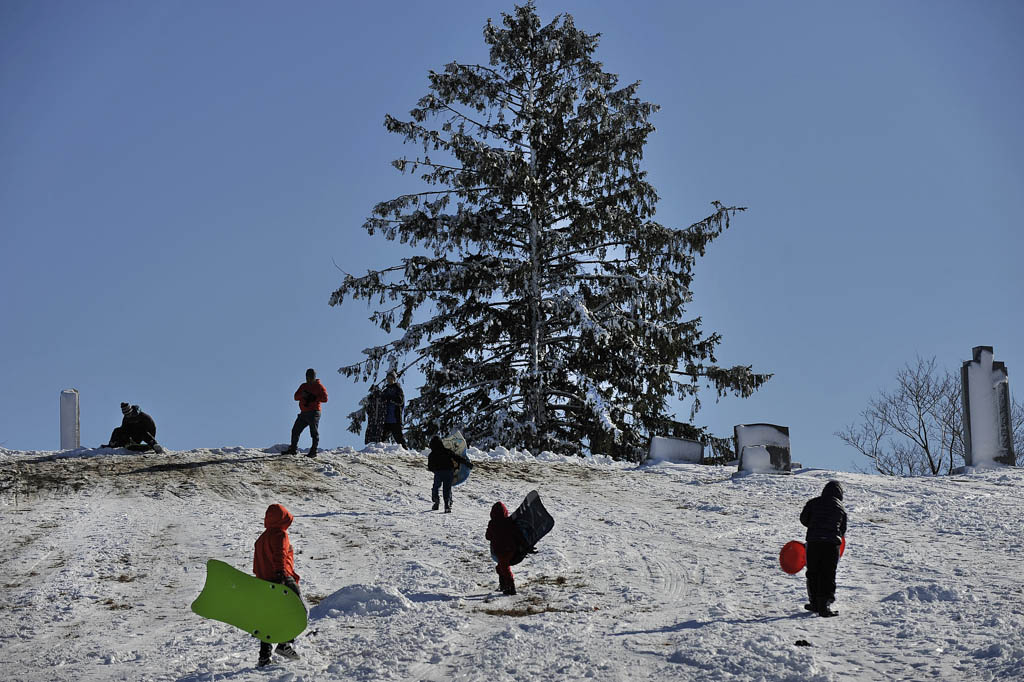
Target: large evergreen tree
(546,307)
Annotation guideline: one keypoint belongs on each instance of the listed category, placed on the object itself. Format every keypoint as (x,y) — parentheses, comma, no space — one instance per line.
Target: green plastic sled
(268,611)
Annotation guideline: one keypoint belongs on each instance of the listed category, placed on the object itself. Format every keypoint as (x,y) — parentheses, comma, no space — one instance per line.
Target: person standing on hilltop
(309,395)
(394,404)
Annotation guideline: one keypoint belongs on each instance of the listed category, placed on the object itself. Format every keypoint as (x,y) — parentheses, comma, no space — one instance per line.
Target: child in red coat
(274,560)
(504,544)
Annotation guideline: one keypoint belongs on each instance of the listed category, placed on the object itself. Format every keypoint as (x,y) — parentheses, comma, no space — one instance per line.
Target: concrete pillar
(988,432)
(70,430)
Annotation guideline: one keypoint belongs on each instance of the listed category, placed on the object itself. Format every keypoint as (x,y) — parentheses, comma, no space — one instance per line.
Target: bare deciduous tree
(917,429)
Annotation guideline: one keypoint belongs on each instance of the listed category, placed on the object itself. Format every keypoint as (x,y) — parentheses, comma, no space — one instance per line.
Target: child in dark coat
(274,560)
(442,461)
(825,518)
(504,538)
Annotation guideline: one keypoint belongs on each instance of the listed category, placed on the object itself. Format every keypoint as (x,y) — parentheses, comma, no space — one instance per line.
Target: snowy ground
(664,572)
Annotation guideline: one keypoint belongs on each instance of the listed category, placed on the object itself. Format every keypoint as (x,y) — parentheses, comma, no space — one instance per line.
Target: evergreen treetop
(545,306)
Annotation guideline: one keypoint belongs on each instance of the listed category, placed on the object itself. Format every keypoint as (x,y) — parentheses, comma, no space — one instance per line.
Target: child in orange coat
(274,560)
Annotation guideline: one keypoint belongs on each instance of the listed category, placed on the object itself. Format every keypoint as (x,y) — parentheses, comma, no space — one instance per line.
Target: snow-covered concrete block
(988,433)
(756,459)
(772,440)
(70,430)
(667,449)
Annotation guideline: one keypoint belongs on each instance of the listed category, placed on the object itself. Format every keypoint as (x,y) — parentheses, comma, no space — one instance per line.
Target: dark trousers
(395,430)
(822,560)
(443,478)
(122,436)
(310,419)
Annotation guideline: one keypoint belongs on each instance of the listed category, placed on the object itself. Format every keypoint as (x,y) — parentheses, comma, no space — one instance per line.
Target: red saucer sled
(793,556)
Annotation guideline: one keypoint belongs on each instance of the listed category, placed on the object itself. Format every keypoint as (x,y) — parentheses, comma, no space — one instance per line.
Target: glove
(290,583)
(307,396)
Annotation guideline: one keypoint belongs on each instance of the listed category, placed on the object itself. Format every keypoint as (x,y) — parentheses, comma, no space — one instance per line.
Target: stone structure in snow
(70,428)
(988,433)
(668,449)
(762,448)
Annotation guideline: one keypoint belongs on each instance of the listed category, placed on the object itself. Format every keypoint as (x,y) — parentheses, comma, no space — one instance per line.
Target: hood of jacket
(277,517)
(498,511)
(833,489)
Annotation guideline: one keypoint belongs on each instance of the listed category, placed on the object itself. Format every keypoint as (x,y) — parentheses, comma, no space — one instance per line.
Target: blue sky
(181,182)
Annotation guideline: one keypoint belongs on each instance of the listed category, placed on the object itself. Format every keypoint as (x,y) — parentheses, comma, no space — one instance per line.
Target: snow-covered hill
(667,572)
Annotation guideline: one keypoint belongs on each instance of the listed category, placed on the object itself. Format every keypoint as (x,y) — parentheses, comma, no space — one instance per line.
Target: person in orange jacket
(274,560)
(309,395)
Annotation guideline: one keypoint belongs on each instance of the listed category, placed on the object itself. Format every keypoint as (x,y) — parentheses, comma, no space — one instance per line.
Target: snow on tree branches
(545,305)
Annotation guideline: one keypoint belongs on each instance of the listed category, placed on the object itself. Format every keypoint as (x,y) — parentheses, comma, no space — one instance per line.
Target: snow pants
(124,435)
(394,429)
(504,568)
(310,419)
(822,560)
(443,478)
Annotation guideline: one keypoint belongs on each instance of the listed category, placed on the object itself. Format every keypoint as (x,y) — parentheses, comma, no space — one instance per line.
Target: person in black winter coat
(825,518)
(136,427)
(442,461)
(394,403)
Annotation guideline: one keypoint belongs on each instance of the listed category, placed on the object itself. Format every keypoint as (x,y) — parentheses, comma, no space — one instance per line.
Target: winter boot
(510,587)
(810,607)
(265,651)
(311,453)
(827,613)
(292,449)
(448,505)
(437,505)
(288,651)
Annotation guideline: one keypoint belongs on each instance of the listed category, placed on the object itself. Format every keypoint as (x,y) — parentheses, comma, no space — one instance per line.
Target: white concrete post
(70,431)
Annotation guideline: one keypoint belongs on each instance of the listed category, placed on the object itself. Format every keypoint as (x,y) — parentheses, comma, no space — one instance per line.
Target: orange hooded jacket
(316,392)
(274,557)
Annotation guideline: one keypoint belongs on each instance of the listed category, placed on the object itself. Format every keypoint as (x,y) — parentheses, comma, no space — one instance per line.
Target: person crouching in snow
(503,536)
(136,427)
(442,462)
(274,560)
(825,518)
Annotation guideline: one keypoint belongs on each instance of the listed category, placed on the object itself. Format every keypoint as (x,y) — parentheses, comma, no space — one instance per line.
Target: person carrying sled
(825,518)
(442,462)
(274,560)
(394,404)
(136,427)
(504,539)
(309,395)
